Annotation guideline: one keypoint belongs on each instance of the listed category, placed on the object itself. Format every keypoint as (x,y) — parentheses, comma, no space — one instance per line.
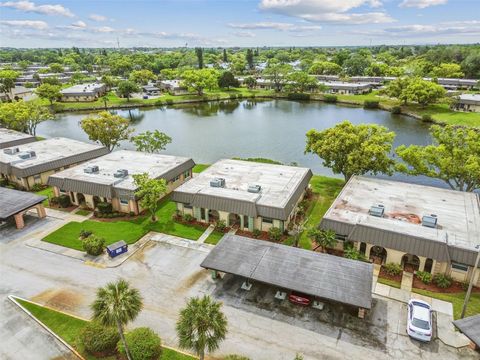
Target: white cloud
(275,26)
(244,34)
(422,4)
(79,24)
(28,6)
(328,11)
(103,29)
(450,28)
(97,17)
(27,24)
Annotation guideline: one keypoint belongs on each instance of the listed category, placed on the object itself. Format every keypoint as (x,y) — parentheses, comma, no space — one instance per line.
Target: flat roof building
(467,102)
(421,227)
(173,87)
(34,162)
(109,178)
(83,92)
(248,194)
(349,88)
(10,138)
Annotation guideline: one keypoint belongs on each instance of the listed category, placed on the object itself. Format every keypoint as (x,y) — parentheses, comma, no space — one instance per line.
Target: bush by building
(274,233)
(104,207)
(93,245)
(392,269)
(442,280)
(99,340)
(143,344)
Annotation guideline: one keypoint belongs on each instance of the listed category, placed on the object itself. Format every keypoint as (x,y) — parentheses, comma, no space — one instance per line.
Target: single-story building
(467,102)
(322,276)
(151,90)
(347,88)
(375,81)
(83,92)
(17,93)
(173,87)
(246,194)
(16,203)
(327,77)
(457,83)
(10,138)
(34,162)
(109,178)
(470,327)
(420,227)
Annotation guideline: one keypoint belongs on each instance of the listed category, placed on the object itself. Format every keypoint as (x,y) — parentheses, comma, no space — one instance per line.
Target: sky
(229,23)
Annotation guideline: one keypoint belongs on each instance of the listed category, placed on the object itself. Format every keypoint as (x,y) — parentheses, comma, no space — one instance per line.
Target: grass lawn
(198,168)
(83,212)
(48,192)
(473,307)
(214,237)
(325,190)
(69,328)
(128,230)
(389,282)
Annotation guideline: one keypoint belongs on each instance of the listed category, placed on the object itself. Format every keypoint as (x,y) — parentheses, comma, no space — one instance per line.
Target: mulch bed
(58,207)
(385,275)
(455,288)
(263,236)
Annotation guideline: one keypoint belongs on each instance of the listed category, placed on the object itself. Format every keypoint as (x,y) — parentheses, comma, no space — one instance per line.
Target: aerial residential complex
(9,138)
(420,227)
(246,194)
(32,163)
(109,178)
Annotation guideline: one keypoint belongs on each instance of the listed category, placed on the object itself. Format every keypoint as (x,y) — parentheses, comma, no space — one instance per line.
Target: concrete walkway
(206,234)
(178,241)
(407,281)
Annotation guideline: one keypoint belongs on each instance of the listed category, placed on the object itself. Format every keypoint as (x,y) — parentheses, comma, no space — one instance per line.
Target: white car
(419,323)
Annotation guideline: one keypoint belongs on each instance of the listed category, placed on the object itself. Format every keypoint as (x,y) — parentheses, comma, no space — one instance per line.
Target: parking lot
(167,273)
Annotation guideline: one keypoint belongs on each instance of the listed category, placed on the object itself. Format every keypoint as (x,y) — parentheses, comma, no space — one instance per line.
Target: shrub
(64,201)
(427,118)
(392,269)
(351,253)
(97,338)
(256,233)
(274,233)
(143,344)
(424,276)
(93,245)
(232,96)
(329,98)
(3,182)
(104,207)
(188,218)
(298,96)
(220,225)
(85,233)
(131,213)
(370,104)
(396,109)
(442,281)
(169,102)
(38,187)
(464,285)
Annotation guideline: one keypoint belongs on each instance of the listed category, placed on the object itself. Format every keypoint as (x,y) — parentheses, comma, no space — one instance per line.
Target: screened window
(267,220)
(459,266)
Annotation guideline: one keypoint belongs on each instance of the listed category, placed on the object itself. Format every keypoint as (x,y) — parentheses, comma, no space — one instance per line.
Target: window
(37,179)
(176,178)
(186,174)
(187,206)
(459,266)
(267,220)
(124,201)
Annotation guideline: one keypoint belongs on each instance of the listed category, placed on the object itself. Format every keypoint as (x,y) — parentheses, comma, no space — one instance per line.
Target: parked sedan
(299,298)
(419,323)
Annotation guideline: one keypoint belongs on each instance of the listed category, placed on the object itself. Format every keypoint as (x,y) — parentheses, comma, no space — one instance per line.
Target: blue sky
(167,23)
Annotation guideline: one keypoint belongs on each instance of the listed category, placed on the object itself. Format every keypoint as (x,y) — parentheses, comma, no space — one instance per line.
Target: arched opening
(96,200)
(213,216)
(363,248)
(233,220)
(80,199)
(428,265)
(378,255)
(410,262)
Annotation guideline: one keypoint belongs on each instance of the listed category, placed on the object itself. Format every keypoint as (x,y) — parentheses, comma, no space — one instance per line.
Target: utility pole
(470,285)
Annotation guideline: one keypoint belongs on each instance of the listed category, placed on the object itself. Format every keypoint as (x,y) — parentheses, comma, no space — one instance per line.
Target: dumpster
(117,248)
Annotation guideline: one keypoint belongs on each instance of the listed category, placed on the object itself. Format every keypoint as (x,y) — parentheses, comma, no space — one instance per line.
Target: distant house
(151,90)
(34,162)
(10,138)
(346,88)
(83,92)
(453,84)
(173,87)
(374,81)
(467,102)
(109,178)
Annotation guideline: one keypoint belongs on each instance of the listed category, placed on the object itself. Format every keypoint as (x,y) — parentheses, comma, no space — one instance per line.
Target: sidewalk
(206,234)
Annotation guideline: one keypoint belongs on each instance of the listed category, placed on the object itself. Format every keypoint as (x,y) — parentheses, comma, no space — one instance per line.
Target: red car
(299,298)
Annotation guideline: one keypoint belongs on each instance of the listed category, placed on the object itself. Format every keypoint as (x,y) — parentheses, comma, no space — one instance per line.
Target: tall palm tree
(201,326)
(116,305)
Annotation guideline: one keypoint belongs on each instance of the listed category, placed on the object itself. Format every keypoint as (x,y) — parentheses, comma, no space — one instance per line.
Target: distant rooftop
(83,89)
(14,201)
(470,98)
(14,138)
(345,85)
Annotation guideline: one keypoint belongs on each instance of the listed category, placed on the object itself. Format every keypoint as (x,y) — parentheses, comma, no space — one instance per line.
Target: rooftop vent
(93,169)
(11,151)
(377,210)
(121,173)
(217,182)
(254,188)
(27,155)
(430,221)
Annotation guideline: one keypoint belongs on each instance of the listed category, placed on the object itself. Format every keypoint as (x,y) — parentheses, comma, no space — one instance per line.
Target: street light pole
(470,285)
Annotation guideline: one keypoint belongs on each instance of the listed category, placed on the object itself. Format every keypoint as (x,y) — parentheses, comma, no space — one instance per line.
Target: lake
(273,129)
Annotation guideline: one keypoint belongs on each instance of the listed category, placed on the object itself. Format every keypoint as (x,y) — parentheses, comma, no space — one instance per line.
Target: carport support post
(361,313)
(470,285)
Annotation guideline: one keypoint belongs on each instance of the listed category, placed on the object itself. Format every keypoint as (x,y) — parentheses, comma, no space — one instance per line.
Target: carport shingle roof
(14,201)
(470,327)
(321,275)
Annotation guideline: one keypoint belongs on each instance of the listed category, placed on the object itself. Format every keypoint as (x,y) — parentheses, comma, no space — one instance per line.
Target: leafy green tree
(227,80)
(23,116)
(325,68)
(201,326)
(447,70)
(250,82)
(324,238)
(52,80)
(142,77)
(238,64)
(225,56)
(117,304)
(56,68)
(151,142)
(149,191)
(396,89)
(198,80)
(471,65)
(49,92)
(423,92)
(7,81)
(454,157)
(300,82)
(126,88)
(277,73)
(78,77)
(353,149)
(109,81)
(107,129)
(249,58)
(199,53)
(356,65)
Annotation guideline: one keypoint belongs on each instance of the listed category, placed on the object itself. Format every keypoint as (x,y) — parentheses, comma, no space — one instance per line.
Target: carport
(470,327)
(322,276)
(15,203)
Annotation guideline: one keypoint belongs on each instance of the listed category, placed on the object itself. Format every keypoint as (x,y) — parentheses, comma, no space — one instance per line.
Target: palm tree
(202,325)
(116,305)
(326,239)
(105,100)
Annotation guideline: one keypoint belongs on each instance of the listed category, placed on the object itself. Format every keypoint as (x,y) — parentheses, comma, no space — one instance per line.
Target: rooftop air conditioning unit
(254,188)
(27,155)
(93,169)
(430,221)
(11,151)
(377,210)
(217,182)
(121,173)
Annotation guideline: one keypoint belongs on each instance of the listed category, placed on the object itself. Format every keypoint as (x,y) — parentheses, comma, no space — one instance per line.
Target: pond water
(273,129)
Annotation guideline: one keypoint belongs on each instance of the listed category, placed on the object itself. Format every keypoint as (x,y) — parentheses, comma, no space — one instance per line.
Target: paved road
(167,275)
